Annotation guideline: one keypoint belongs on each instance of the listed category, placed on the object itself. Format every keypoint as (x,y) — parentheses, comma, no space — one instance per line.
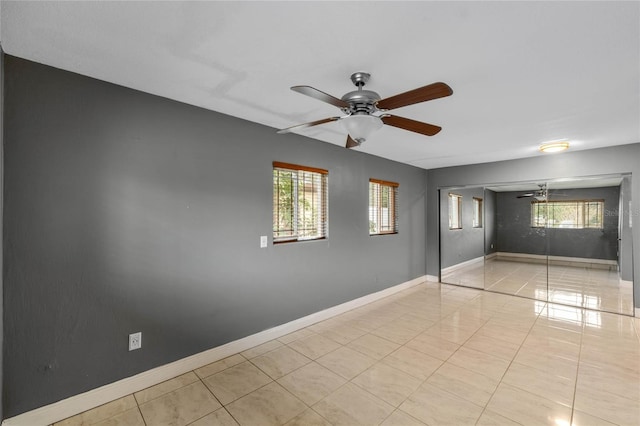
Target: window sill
(298,241)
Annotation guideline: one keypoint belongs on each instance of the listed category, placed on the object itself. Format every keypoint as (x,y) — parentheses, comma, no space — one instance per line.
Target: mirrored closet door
(566,241)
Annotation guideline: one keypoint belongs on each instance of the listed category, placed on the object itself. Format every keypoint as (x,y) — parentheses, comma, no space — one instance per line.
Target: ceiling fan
(365,111)
(540,194)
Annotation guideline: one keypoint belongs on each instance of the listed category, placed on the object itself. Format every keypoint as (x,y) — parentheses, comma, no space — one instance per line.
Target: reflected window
(477,212)
(455,211)
(578,214)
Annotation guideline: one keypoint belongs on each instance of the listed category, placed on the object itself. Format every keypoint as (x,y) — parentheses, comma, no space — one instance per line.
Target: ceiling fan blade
(351,143)
(422,94)
(310,124)
(530,194)
(320,95)
(411,125)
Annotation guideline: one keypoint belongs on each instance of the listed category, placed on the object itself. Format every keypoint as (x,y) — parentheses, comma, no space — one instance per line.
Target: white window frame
(455,211)
(543,214)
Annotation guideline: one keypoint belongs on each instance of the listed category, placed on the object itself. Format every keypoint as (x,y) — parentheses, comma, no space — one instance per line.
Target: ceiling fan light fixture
(555,146)
(361,126)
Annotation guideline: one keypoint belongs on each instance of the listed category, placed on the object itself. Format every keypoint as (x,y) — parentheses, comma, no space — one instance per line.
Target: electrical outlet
(263,241)
(135,341)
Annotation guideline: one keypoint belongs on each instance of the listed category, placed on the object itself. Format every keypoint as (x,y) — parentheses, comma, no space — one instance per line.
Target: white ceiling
(522,73)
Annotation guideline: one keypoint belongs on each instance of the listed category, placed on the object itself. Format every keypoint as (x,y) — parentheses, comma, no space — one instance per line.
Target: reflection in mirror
(589,244)
(516,249)
(462,224)
(567,241)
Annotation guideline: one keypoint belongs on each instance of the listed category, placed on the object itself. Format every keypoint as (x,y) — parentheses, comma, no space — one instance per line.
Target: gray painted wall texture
(127,212)
(516,235)
(617,159)
(490,225)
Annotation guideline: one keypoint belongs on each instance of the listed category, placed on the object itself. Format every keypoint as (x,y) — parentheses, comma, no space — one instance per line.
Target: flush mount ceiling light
(555,146)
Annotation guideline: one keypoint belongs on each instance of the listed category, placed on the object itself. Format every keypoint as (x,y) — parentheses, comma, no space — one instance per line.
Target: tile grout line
(509,366)
(575,385)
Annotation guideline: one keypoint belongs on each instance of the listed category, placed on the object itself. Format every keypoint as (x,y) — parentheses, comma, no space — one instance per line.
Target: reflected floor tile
(269,405)
(351,405)
(432,406)
(311,383)
(527,408)
(387,383)
(180,407)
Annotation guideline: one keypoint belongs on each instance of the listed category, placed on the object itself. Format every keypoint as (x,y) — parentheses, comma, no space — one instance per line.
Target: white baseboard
(85,401)
(558,259)
(637,312)
(466,263)
(433,278)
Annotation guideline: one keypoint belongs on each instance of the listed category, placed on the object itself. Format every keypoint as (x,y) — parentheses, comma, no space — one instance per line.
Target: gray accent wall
(490,222)
(125,212)
(516,235)
(617,159)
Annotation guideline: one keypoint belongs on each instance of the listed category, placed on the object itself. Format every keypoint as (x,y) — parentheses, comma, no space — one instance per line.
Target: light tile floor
(435,354)
(591,288)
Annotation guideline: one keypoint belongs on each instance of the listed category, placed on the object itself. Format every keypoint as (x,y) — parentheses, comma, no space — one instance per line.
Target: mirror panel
(585,231)
(517,262)
(462,236)
(566,241)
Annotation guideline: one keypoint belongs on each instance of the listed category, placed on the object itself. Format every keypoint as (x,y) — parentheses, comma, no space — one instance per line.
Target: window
(455,211)
(477,212)
(299,203)
(580,214)
(383,207)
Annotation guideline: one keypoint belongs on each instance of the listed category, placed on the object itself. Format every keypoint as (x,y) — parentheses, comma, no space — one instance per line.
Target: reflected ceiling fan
(540,194)
(365,111)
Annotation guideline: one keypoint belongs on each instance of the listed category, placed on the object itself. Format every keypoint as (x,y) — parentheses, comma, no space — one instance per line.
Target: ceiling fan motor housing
(361,101)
